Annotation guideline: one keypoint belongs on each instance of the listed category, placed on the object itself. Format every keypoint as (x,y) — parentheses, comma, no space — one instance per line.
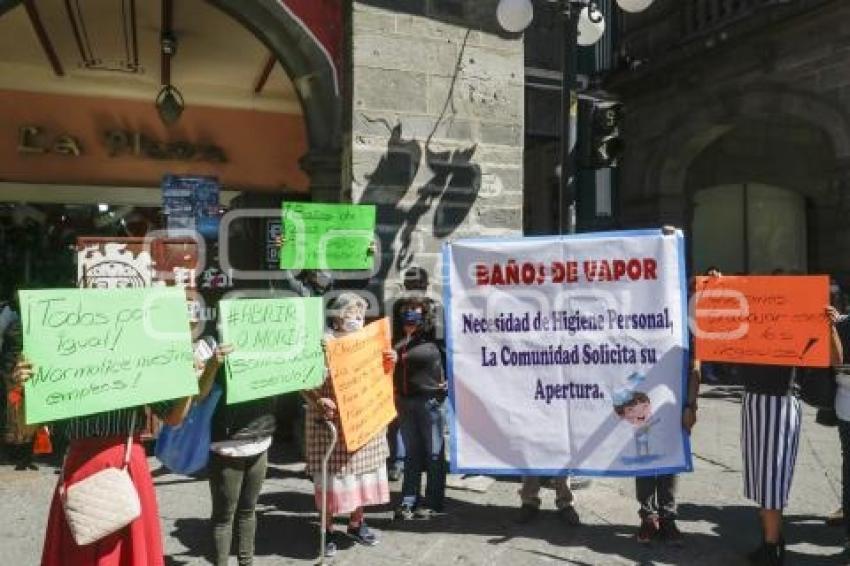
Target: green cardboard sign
(277,346)
(96,350)
(327,236)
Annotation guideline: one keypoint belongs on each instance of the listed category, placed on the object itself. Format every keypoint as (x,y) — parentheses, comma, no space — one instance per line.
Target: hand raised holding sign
(221,353)
(22,372)
(390,359)
(833,315)
(328,408)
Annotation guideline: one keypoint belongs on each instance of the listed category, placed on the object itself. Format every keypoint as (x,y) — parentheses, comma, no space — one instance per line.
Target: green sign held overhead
(96,350)
(277,346)
(327,236)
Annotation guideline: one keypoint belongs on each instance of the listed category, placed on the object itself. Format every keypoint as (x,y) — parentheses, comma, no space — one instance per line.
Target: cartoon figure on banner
(635,407)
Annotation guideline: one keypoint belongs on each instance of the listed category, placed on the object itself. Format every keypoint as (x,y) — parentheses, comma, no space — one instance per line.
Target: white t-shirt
(241,448)
(204,350)
(842,397)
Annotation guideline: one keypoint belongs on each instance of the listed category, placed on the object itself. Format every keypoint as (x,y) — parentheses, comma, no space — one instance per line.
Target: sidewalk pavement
(720,526)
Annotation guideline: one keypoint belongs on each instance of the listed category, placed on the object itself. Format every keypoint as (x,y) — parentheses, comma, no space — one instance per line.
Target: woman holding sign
(420,384)
(771,421)
(356,479)
(99,442)
(241,437)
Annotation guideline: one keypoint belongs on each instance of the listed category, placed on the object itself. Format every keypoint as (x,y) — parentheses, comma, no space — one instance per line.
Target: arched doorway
(749,228)
(262,114)
(313,67)
(768,135)
(284,26)
(756,194)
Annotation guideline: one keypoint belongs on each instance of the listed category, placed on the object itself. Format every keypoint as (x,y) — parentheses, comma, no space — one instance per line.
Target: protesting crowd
(105,452)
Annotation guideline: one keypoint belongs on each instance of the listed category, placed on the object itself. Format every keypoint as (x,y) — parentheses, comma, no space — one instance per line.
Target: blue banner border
(683,282)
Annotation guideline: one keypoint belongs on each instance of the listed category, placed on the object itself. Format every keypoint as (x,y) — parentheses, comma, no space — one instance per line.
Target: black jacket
(420,369)
(251,420)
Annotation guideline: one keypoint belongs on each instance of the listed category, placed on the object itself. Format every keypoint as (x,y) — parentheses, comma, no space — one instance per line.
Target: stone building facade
(738,129)
(436,129)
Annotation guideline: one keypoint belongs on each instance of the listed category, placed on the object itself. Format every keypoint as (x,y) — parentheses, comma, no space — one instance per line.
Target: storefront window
(37,241)
(749,228)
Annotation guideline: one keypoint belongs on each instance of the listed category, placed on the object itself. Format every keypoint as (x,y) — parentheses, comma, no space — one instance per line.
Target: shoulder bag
(103,503)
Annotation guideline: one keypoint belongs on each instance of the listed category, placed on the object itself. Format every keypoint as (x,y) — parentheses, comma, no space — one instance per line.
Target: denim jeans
(844,436)
(657,496)
(235,485)
(422,423)
(396,443)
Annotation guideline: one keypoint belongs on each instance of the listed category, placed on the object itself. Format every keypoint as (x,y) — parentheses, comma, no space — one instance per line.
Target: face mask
(352,324)
(413,318)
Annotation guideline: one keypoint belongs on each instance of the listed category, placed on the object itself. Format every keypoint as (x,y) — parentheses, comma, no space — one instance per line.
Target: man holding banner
(568,355)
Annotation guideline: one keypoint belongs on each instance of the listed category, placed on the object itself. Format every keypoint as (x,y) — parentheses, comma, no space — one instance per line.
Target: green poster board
(97,350)
(277,346)
(327,236)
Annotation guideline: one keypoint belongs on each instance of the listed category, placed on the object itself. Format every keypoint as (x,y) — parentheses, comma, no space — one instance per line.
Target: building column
(325,170)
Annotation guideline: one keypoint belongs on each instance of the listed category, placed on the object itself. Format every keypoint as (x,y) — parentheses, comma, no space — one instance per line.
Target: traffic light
(601,143)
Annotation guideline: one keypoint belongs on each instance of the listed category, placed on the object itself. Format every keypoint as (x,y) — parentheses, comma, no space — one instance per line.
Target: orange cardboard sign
(778,320)
(363,390)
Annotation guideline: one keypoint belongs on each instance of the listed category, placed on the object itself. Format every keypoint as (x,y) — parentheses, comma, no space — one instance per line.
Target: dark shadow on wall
(450,191)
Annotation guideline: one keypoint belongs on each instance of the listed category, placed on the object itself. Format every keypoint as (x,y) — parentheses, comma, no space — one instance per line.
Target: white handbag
(102,503)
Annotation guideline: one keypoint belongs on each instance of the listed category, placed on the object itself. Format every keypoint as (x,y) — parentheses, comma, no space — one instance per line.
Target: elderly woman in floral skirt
(357,479)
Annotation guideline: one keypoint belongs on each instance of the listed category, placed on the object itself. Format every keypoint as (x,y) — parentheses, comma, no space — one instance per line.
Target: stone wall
(779,89)
(436,128)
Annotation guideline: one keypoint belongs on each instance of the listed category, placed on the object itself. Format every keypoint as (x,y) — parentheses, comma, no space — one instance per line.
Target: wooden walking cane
(325,460)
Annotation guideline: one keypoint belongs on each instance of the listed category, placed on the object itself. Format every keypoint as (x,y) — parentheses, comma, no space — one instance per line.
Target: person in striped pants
(770,435)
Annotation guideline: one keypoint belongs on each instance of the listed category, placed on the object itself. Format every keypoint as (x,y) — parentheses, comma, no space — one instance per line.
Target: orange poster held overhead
(774,320)
(363,390)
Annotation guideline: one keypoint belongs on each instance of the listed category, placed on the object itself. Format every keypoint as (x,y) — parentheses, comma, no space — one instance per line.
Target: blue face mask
(413,318)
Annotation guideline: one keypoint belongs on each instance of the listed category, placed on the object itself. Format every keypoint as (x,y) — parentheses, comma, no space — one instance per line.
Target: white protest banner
(568,354)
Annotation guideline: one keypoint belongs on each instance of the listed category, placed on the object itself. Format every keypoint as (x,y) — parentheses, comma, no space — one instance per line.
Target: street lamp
(583,24)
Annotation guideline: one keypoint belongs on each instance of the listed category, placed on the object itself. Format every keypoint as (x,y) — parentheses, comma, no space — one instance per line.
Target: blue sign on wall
(191,202)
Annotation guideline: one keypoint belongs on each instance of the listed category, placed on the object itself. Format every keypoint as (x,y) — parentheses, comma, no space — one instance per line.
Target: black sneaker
(569,516)
(404,513)
(362,534)
(766,555)
(330,544)
(527,513)
(670,533)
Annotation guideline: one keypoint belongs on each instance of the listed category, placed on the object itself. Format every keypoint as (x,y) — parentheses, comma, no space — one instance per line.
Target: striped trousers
(770,436)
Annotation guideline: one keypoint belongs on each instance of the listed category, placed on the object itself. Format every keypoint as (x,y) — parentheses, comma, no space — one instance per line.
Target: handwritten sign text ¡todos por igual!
(97,350)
